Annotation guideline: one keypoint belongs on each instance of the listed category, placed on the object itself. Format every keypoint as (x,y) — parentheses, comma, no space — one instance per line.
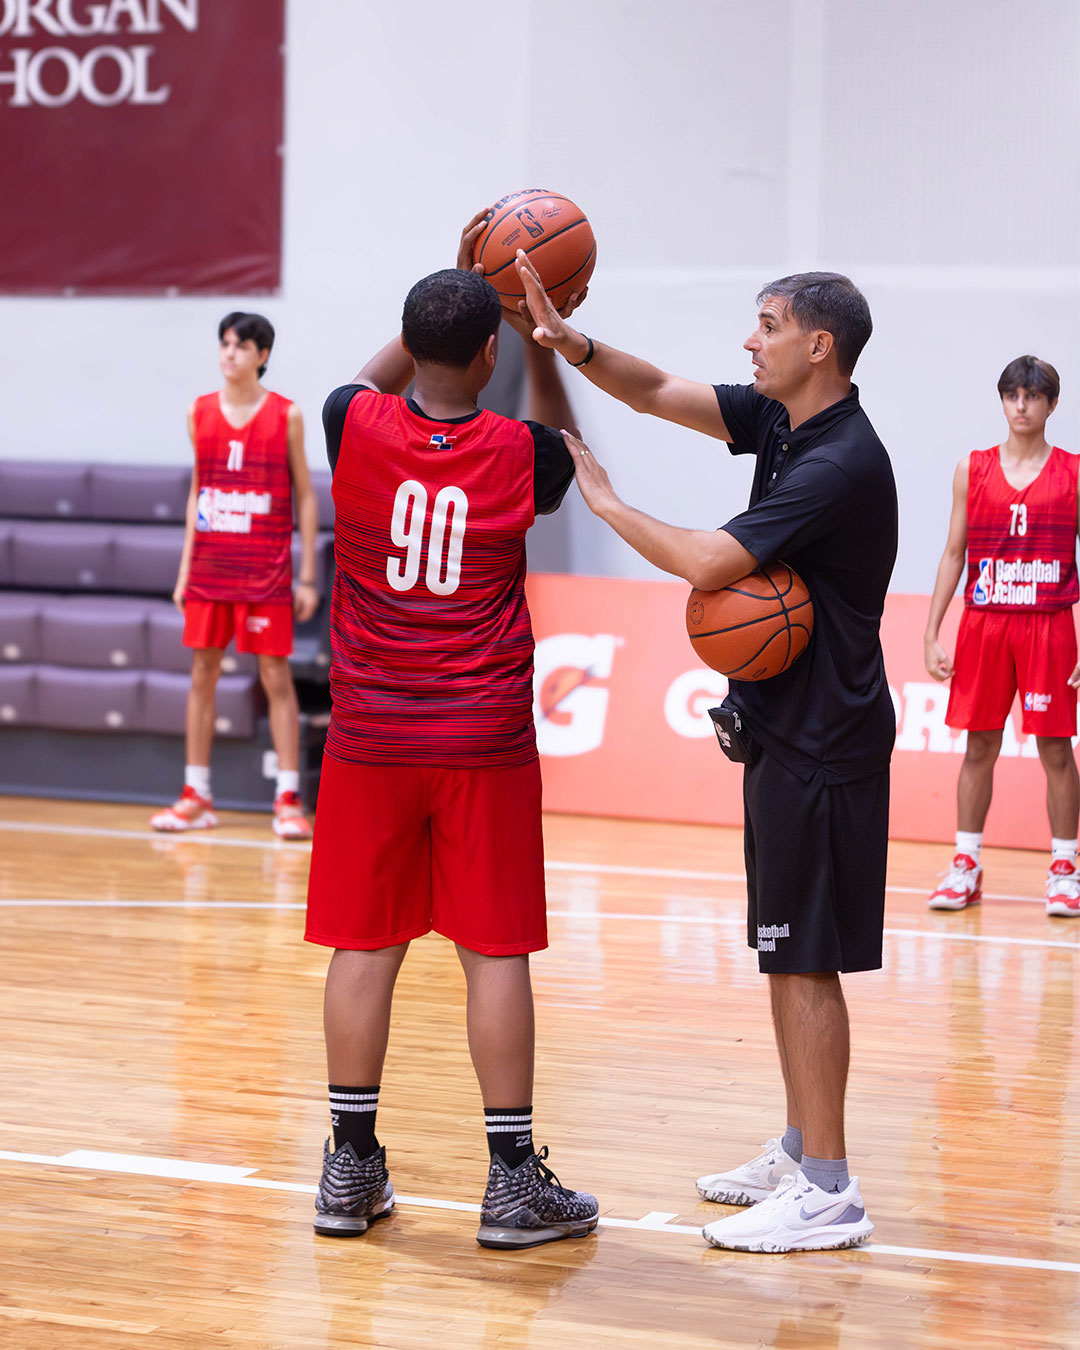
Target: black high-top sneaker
(527,1206)
(352,1192)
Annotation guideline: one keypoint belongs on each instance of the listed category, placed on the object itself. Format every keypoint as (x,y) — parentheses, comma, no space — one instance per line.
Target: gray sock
(830,1174)
(791,1143)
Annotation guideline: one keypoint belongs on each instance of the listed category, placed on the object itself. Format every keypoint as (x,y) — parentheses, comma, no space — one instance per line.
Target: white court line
(551,865)
(700,920)
(654,1222)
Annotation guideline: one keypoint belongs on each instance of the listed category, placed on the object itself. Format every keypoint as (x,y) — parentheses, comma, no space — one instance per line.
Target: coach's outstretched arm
(642,386)
(707,559)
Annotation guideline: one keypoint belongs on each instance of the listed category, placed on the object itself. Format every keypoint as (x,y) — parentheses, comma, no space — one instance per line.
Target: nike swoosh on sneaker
(851,1214)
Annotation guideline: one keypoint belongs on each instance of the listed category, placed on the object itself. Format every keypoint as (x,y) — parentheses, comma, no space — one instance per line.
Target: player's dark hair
(255,328)
(448,317)
(1028,372)
(830,301)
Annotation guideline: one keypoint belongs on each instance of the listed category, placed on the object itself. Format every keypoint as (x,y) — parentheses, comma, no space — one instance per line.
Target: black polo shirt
(824,502)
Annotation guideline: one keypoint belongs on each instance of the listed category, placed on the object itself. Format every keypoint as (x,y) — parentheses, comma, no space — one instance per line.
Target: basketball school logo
(1013,581)
(220,512)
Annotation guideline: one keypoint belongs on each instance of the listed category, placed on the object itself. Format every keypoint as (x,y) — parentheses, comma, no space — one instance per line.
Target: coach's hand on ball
(547,325)
(592,477)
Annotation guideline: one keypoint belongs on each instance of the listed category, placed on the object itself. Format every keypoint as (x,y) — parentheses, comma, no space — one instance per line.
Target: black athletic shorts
(815,869)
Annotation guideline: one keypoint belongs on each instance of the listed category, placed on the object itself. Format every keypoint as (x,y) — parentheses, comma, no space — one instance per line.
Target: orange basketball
(553,232)
(756,627)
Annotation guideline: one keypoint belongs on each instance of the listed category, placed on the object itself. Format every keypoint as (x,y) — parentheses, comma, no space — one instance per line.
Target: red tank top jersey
(430,633)
(1021,544)
(243,527)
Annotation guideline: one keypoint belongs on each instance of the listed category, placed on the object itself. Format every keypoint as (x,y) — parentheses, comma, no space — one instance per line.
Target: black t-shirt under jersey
(824,502)
(553,474)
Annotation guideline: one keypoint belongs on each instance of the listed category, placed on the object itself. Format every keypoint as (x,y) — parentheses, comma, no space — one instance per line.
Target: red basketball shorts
(999,655)
(401,850)
(262,630)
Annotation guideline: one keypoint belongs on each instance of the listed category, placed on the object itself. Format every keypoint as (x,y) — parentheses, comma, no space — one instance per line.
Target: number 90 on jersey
(442,546)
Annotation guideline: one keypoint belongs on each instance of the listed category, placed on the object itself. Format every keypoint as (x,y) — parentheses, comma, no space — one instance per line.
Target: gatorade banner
(142,146)
(622,724)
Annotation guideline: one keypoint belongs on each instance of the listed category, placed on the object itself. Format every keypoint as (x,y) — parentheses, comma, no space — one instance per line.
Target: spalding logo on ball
(755,628)
(553,232)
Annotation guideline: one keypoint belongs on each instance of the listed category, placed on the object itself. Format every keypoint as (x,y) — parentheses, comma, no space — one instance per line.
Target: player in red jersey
(429,801)
(1015,517)
(235,575)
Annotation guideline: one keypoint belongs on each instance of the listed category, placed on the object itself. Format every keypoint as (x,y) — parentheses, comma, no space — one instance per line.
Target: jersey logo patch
(985,584)
(440,442)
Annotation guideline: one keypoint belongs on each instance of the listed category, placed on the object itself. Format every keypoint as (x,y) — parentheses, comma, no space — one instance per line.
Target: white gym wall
(929,149)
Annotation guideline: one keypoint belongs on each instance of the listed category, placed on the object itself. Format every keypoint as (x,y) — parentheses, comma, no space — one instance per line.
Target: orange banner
(623,730)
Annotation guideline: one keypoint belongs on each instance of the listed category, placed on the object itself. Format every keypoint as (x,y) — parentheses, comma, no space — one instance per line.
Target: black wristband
(588,355)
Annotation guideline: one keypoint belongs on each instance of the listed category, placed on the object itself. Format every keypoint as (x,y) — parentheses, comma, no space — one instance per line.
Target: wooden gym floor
(163,1108)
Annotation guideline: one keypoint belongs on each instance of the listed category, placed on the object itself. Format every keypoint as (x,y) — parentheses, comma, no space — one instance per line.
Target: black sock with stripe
(352,1110)
(509,1133)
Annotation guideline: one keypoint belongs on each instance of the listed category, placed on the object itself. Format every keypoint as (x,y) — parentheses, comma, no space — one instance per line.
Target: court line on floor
(698,920)
(89,1160)
(550,865)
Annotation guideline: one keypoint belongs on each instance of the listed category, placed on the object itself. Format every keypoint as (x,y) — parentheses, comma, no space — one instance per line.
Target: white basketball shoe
(753,1181)
(797,1217)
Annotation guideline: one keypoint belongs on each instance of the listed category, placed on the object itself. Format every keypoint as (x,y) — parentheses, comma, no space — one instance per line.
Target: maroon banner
(141,146)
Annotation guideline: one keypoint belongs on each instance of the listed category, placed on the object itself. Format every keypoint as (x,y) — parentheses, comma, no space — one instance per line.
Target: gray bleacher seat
(20,638)
(165,628)
(238,702)
(147,558)
(139,492)
(44,490)
(100,631)
(89,700)
(62,557)
(323,484)
(324,560)
(6,529)
(18,689)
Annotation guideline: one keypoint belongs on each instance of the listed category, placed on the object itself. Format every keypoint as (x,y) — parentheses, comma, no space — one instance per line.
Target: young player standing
(432,747)
(1015,515)
(235,575)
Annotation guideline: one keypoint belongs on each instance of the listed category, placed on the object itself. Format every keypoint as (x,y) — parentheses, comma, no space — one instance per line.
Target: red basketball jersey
(1021,545)
(431,639)
(243,529)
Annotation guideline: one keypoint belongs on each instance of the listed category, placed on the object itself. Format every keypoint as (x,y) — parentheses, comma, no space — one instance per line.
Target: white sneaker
(961,887)
(1063,890)
(797,1217)
(753,1181)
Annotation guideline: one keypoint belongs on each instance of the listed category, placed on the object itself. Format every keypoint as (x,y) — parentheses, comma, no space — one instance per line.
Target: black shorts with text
(815,869)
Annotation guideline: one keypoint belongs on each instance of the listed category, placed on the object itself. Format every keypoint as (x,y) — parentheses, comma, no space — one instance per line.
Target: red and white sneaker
(188,812)
(1063,890)
(961,887)
(289,819)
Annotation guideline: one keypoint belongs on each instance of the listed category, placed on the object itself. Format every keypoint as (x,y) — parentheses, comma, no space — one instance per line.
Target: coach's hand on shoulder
(938,664)
(592,477)
(469,236)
